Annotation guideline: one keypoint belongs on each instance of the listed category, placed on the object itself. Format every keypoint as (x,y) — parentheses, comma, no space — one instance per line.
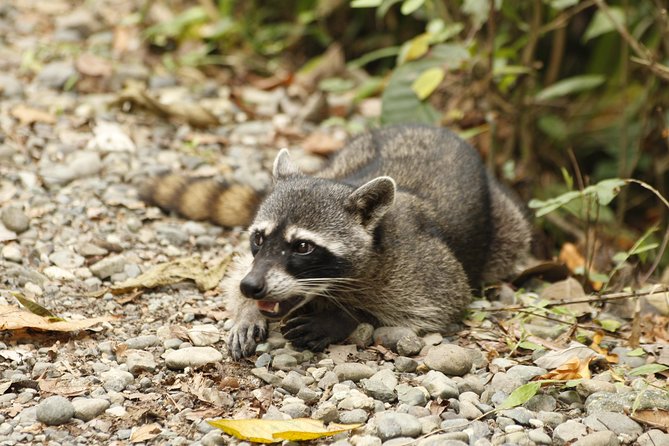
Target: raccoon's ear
(284,167)
(372,200)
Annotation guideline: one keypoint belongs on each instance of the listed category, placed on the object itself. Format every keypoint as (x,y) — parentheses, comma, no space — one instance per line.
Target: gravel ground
(71,225)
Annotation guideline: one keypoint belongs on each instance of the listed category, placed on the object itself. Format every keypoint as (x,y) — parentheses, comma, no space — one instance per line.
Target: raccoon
(398,229)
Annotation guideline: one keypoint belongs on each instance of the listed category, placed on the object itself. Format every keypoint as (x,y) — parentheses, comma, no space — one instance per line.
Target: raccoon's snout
(253,286)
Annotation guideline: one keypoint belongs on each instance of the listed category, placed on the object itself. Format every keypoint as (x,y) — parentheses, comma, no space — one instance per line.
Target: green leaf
(636,352)
(521,395)
(559,5)
(606,190)
(527,345)
(414,48)
(570,85)
(601,24)
(336,85)
(35,308)
(648,369)
(427,82)
(610,325)
(399,103)
(410,6)
(365,3)
(478,10)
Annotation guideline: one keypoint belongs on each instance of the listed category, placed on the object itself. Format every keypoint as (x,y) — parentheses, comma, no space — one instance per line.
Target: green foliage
(603,192)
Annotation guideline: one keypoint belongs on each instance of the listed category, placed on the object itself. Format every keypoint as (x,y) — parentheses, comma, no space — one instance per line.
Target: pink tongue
(266,306)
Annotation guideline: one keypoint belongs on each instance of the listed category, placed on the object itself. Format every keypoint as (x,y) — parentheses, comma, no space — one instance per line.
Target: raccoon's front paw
(244,336)
(317,330)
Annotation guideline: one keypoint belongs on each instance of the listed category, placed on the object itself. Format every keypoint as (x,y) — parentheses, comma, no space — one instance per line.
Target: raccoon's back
(436,167)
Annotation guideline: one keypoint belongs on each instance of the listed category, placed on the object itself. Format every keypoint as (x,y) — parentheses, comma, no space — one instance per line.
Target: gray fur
(415,221)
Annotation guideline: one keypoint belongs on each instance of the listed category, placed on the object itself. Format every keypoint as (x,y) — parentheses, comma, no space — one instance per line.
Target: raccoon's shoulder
(222,203)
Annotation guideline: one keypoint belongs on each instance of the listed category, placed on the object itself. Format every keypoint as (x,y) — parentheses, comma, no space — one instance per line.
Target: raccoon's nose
(253,287)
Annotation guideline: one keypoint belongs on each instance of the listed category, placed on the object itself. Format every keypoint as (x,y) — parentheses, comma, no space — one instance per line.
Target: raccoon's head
(311,237)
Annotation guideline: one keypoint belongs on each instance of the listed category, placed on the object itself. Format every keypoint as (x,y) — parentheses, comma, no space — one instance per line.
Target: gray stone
(308,395)
(55,410)
(439,385)
(378,390)
(409,345)
(66,259)
(551,419)
(613,421)
(470,383)
(10,86)
(448,439)
(362,335)
(405,365)
(623,402)
(88,408)
(603,438)
(203,335)
(139,361)
(142,342)
(266,376)
(292,382)
(469,411)
(519,414)
(352,371)
(116,379)
(524,373)
(15,219)
(539,436)
(328,380)
(284,361)
(587,387)
(108,266)
(193,357)
(653,437)
(296,410)
(568,432)
(429,423)
(56,74)
(625,359)
(327,412)
(356,400)
(541,402)
(213,438)
(365,440)
(390,336)
(394,424)
(263,360)
(353,416)
(449,359)
(411,396)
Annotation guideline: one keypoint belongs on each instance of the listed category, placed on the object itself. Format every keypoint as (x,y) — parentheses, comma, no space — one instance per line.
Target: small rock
(352,371)
(194,357)
(524,373)
(411,396)
(296,410)
(292,382)
(58,274)
(116,379)
(308,395)
(390,336)
(139,361)
(326,412)
(449,359)
(469,410)
(328,380)
(15,219)
(55,410)
(353,416)
(625,359)
(409,345)
(108,266)
(203,335)
(568,432)
(539,436)
(56,74)
(66,259)
(142,342)
(365,440)
(405,365)
(439,385)
(541,402)
(653,437)
(362,335)
(12,252)
(394,424)
(603,438)
(266,376)
(284,361)
(378,390)
(88,408)
(613,421)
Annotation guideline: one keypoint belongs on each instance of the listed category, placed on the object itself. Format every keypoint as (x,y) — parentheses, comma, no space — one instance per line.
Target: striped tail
(224,204)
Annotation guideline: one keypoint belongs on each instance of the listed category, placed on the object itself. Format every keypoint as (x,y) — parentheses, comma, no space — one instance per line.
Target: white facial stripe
(294,233)
(265,227)
(280,284)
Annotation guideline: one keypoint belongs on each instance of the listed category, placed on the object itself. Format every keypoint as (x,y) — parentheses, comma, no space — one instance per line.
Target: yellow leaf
(274,431)
(427,82)
(14,318)
(414,48)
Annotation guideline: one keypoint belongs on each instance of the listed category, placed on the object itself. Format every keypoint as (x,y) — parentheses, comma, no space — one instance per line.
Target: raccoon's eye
(303,247)
(257,239)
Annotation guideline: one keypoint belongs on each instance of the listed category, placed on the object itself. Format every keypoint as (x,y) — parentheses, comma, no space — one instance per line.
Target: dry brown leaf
(321,143)
(205,390)
(612,358)
(192,113)
(169,273)
(63,387)
(572,369)
(657,418)
(28,115)
(14,318)
(570,256)
(145,433)
(555,359)
(91,65)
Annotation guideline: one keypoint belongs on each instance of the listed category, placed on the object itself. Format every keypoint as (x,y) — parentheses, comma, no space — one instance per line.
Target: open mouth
(276,310)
